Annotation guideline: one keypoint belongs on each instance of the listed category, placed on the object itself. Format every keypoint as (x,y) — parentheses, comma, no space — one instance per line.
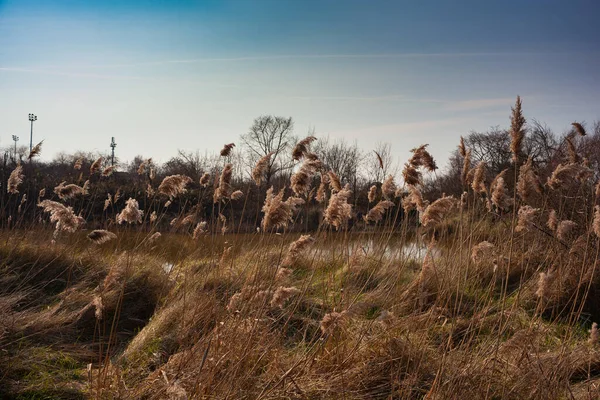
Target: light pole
(113,144)
(31,119)
(16,139)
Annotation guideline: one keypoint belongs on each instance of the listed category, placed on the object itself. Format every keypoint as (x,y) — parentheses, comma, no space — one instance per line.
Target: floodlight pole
(113,145)
(32,118)
(16,139)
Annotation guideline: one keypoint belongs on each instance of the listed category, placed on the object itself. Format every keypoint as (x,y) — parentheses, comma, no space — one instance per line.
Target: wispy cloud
(478,104)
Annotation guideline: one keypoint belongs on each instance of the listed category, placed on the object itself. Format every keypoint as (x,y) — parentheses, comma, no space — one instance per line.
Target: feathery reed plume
(594,334)
(141,168)
(499,194)
(283,274)
(528,182)
(302,147)
(526,218)
(153,216)
(572,151)
(117,196)
(64,217)
(566,173)
(69,191)
(334,182)
(552,221)
(300,181)
(372,194)
(462,150)
(482,252)
(95,167)
(174,185)
(226,151)
(100,236)
(375,214)
(543,285)
(296,248)
(108,171)
(99,307)
(167,204)
(278,213)
(41,194)
(204,179)
(386,318)
(333,321)
(199,230)
(388,188)
(322,190)
(565,229)
(578,128)
(78,163)
(15,179)
(411,175)
(107,202)
(338,210)
(596,222)
(131,213)
(478,183)
(464,175)
(37,149)
(282,294)
(422,158)
(238,194)
(261,168)
(23,200)
(153,238)
(224,189)
(438,210)
(152,174)
(517,131)
(414,200)
(379,159)
(150,190)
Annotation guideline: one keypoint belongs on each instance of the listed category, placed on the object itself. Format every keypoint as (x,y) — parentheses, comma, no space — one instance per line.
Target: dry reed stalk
(594,335)
(238,194)
(574,157)
(414,199)
(517,131)
(261,168)
(153,216)
(108,171)
(500,197)
(464,176)
(322,190)
(333,321)
(131,213)
(422,158)
(338,210)
(15,179)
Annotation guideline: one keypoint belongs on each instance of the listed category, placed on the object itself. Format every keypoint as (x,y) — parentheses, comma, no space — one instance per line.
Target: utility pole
(16,139)
(113,145)
(31,119)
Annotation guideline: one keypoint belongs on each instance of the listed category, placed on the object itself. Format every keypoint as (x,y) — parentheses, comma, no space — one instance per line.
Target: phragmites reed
(302,147)
(322,190)
(372,195)
(388,188)
(37,149)
(282,294)
(517,131)
(338,210)
(224,189)
(483,251)
(300,181)
(566,173)
(152,174)
(499,195)
(552,220)
(596,222)
(174,185)
(238,194)
(141,168)
(15,179)
(414,199)
(153,216)
(200,229)
(78,163)
(95,167)
(464,175)
(594,334)
(334,182)
(107,202)
(528,182)
(204,179)
(565,229)
(226,151)
(543,285)
(296,248)
(572,151)
(478,183)
(333,321)
(100,236)
(376,213)
(131,213)
(422,158)
(411,175)
(261,168)
(462,150)
(278,213)
(64,217)
(42,193)
(69,191)
(526,218)
(578,128)
(150,190)
(435,213)
(153,238)
(108,171)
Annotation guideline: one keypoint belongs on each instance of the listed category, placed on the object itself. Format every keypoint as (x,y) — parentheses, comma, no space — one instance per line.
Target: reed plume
(596,221)
(278,213)
(302,147)
(95,167)
(226,151)
(37,149)
(565,229)
(543,285)
(238,194)
(131,213)
(261,168)
(411,175)
(388,188)
(153,238)
(594,335)
(483,251)
(174,185)
(224,189)
(41,194)
(300,181)
(572,152)
(322,190)
(204,179)
(150,190)
(376,213)
(153,216)
(333,321)
(517,131)
(78,163)
(462,150)
(579,128)
(64,217)
(69,191)
(414,200)
(15,179)
(283,294)
(565,173)
(526,218)
(100,236)
(199,230)
(108,171)
(499,195)
(338,210)
(478,183)
(296,248)
(464,176)
(372,195)
(528,182)
(334,182)
(552,221)
(438,210)
(107,202)
(422,158)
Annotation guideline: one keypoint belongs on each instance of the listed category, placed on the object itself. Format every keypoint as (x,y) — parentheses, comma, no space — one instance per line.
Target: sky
(166,75)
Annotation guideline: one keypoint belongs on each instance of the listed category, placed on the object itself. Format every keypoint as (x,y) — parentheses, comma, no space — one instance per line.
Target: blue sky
(168,75)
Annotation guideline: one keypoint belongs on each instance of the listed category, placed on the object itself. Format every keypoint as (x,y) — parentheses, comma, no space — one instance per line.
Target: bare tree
(340,157)
(270,134)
